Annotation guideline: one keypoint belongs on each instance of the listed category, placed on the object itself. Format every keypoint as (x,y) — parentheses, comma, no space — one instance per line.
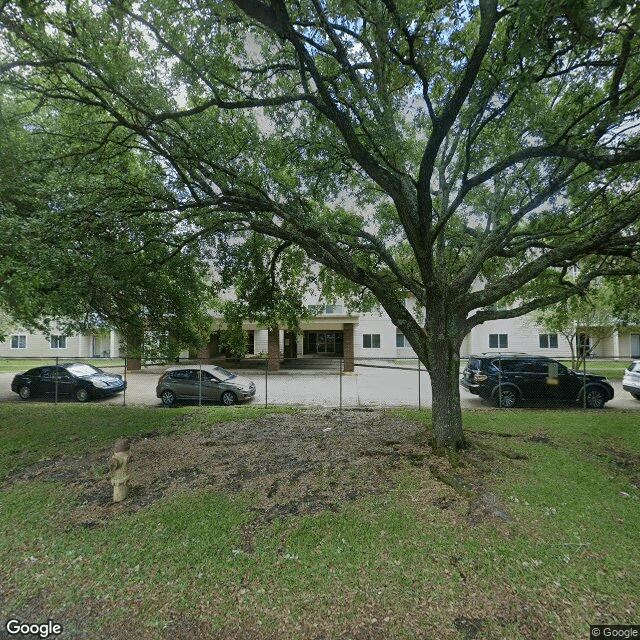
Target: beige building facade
(333,333)
(21,343)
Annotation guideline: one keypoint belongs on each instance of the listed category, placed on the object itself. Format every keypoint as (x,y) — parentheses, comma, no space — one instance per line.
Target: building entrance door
(323,342)
(635,345)
(327,342)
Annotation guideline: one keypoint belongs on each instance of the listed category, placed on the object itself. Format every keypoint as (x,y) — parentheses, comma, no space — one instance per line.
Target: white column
(616,345)
(113,344)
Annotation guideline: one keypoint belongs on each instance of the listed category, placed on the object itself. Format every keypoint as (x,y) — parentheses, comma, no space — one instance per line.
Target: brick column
(348,346)
(134,364)
(134,354)
(273,349)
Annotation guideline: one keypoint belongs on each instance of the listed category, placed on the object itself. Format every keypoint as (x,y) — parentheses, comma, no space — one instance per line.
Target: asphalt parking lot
(366,387)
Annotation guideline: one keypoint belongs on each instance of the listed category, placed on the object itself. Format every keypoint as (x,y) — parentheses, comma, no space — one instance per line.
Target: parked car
(631,379)
(206,383)
(508,379)
(76,379)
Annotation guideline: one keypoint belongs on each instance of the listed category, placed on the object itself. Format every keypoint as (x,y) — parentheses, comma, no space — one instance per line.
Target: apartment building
(335,332)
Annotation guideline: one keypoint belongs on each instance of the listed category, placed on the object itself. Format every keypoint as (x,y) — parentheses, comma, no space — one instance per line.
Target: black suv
(507,379)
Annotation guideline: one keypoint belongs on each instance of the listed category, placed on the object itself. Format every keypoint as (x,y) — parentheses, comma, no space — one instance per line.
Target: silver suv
(631,379)
(205,383)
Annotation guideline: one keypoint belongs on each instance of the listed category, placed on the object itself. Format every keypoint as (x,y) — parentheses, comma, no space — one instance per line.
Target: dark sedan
(79,380)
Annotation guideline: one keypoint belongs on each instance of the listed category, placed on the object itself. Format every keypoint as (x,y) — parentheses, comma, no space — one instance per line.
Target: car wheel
(24,392)
(595,398)
(82,394)
(506,398)
(228,398)
(168,398)
(636,396)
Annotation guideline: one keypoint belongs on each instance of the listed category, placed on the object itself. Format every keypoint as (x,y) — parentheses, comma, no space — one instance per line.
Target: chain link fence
(304,381)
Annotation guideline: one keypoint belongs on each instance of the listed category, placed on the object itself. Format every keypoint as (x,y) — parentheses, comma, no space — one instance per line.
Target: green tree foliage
(456,152)
(590,315)
(270,280)
(597,314)
(624,298)
(92,239)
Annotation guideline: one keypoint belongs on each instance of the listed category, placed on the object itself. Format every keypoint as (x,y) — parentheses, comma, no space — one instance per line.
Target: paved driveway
(367,387)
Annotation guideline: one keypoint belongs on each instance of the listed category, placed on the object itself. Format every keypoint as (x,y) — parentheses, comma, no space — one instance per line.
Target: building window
(58,342)
(19,342)
(498,341)
(548,340)
(333,308)
(401,341)
(371,340)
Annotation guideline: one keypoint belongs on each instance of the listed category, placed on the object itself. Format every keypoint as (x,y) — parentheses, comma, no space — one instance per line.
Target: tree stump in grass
(119,468)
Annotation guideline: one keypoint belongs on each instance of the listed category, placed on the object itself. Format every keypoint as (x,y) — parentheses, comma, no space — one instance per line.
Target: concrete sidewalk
(366,387)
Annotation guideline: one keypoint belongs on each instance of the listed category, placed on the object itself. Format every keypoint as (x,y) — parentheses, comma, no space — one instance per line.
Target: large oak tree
(463,153)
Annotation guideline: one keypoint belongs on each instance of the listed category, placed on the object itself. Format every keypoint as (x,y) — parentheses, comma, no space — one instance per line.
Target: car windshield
(82,370)
(222,374)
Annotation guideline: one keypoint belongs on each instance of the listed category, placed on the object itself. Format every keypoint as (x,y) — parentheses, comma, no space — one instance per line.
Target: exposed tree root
(467,469)
(501,452)
(456,483)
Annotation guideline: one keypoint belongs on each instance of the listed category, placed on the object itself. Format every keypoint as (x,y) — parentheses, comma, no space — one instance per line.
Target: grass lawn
(404,561)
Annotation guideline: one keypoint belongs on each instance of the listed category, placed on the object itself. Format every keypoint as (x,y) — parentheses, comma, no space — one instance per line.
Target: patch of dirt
(624,461)
(292,464)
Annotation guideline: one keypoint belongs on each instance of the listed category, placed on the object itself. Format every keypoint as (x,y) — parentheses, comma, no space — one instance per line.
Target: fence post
(419,388)
(200,383)
(57,376)
(340,365)
(584,382)
(266,381)
(500,382)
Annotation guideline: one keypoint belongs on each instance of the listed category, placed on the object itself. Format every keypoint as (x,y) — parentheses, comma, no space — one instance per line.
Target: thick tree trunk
(446,412)
(443,345)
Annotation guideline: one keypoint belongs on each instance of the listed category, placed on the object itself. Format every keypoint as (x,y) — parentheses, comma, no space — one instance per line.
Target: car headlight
(100,384)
